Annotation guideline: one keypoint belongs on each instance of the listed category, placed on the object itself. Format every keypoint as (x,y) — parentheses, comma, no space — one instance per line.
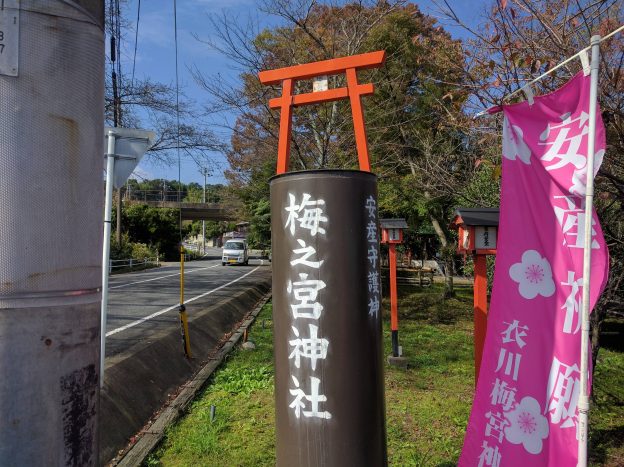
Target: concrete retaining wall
(139,381)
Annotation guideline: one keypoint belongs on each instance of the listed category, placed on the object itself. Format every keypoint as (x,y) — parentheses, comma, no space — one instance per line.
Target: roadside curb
(149,438)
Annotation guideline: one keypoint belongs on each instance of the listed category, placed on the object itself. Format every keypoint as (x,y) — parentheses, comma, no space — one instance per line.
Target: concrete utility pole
(51,160)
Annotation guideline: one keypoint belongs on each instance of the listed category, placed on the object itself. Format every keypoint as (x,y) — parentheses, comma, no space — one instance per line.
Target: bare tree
(132,102)
(520,39)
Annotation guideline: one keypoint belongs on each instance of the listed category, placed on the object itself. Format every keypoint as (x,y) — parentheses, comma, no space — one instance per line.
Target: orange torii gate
(354,91)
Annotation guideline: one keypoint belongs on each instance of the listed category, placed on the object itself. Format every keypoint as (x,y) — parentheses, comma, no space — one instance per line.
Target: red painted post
(283,145)
(394,313)
(480,309)
(358,119)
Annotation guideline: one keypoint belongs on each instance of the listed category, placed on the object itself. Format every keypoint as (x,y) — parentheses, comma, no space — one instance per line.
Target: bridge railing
(160,195)
(225,209)
(154,195)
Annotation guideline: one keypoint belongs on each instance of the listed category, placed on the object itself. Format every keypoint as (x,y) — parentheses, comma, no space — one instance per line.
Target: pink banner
(525,407)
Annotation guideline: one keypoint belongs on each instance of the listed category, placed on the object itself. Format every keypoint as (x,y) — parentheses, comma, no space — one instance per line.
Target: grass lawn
(427,405)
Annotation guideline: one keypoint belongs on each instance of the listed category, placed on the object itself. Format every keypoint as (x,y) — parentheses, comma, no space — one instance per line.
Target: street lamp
(126,147)
(477,229)
(392,234)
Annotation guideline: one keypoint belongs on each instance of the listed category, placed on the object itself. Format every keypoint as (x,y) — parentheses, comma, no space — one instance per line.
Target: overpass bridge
(224,211)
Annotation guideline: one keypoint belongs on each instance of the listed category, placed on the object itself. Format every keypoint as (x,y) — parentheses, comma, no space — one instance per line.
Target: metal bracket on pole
(118,156)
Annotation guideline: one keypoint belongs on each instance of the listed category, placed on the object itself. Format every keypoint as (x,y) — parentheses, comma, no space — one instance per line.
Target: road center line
(158,313)
(161,277)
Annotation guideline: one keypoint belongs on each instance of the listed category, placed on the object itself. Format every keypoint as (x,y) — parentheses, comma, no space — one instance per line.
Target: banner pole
(583,403)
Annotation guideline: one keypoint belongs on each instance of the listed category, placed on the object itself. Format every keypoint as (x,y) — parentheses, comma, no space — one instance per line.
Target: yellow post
(182,310)
(181,275)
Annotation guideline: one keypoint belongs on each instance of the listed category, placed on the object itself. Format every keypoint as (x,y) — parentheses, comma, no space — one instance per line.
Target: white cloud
(156,29)
(212,5)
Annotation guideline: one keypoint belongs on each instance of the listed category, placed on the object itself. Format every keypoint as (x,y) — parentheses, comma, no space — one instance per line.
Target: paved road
(144,303)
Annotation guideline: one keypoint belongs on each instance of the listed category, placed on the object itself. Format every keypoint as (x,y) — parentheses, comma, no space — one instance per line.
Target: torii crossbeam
(354,91)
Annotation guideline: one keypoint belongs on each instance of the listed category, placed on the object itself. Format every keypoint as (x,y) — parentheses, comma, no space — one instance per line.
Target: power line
(115,51)
(136,42)
(118,31)
(175,33)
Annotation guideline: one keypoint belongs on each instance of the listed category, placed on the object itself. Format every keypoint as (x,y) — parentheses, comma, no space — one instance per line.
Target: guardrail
(132,263)
(192,246)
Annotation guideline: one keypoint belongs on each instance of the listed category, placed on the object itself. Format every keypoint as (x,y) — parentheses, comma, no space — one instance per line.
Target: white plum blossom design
(527,425)
(514,146)
(534,275)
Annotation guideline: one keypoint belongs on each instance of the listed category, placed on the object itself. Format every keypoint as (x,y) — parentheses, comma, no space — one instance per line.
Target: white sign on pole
(485,238)
(320,83)
(393,234)
(9,37)
(130,146)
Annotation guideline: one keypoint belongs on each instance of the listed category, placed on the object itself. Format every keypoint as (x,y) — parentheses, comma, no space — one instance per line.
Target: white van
(235,252)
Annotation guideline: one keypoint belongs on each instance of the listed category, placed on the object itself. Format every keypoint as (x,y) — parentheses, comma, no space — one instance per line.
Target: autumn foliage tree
(412,119)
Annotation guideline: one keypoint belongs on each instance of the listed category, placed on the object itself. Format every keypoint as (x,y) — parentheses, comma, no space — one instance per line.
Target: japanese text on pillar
(374,290)
(306,220)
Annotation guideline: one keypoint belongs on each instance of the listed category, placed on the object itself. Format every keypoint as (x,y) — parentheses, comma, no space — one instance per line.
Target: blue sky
(156,56)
